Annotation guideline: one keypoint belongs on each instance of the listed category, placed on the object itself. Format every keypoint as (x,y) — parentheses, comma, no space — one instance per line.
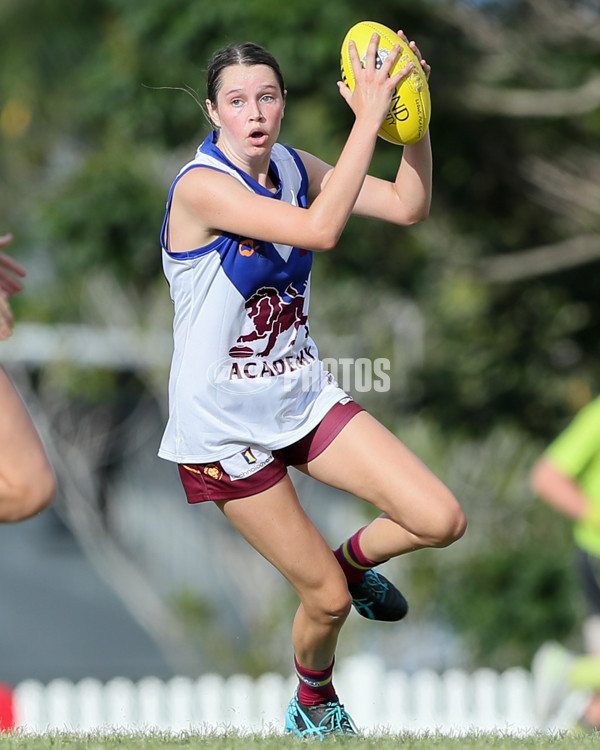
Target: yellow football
(410,108)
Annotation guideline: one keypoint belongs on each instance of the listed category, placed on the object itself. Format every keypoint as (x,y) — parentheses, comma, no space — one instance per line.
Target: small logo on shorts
(213,471)
(249,457)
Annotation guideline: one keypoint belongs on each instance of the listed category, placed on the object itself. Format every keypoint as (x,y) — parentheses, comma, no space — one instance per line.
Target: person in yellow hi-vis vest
(567,477)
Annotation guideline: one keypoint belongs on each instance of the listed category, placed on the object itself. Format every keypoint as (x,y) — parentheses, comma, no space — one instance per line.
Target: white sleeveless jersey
(245,372)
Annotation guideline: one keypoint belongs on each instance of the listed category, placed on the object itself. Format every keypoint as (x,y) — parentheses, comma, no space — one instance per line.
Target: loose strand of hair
(186,90)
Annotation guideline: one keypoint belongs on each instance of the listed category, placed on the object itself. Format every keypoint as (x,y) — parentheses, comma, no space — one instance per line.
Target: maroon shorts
(210,482)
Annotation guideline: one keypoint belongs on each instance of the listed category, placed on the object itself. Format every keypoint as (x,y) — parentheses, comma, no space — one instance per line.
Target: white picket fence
(454,702)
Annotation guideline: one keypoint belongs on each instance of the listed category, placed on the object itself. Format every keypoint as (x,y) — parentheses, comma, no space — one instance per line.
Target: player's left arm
(408,199)
(405,201)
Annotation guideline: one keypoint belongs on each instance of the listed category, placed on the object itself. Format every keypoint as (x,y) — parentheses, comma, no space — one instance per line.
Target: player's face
(249,109)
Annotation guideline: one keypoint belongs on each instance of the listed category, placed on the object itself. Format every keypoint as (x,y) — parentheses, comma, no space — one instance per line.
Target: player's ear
(212,113)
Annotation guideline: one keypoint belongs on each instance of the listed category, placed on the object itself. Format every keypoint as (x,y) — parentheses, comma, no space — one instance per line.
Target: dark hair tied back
(247,53)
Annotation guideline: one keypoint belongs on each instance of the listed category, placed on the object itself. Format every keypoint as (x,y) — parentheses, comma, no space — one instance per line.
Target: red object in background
(7,714)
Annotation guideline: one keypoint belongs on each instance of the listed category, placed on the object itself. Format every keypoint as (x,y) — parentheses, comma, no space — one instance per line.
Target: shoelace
(337,718)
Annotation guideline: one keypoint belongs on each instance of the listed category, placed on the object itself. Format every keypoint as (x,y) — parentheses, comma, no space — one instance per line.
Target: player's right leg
(276,525)
(27,482)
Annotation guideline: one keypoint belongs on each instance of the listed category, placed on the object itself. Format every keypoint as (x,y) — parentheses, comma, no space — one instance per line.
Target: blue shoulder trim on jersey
(165,222)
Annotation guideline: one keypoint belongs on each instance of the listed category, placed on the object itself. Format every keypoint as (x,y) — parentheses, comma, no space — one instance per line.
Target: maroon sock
(316,686)
(351,559)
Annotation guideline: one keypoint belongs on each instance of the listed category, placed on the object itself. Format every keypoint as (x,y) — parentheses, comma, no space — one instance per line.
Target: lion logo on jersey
(271,314)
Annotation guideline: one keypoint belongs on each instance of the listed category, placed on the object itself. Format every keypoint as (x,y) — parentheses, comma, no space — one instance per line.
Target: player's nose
(255,111)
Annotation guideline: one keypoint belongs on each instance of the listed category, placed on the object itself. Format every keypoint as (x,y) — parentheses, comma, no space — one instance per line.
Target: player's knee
(448,525)
(337,610)
(331,605)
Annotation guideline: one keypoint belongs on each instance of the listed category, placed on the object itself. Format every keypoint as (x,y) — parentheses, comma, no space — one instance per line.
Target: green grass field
(235,741)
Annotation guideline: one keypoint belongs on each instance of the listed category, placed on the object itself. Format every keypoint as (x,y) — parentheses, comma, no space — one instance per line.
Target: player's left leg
(417,509)
(27,482)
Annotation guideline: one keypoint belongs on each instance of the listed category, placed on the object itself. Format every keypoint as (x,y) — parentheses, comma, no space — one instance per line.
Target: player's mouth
(258,137)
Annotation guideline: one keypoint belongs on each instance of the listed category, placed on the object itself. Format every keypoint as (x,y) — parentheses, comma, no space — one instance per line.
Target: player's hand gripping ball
(410,108)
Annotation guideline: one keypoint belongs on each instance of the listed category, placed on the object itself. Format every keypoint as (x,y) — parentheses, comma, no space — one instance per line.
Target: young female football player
(248,394)
(27,481)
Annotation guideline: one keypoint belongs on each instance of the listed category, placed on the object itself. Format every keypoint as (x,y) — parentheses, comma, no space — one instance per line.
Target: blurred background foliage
(489,311)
